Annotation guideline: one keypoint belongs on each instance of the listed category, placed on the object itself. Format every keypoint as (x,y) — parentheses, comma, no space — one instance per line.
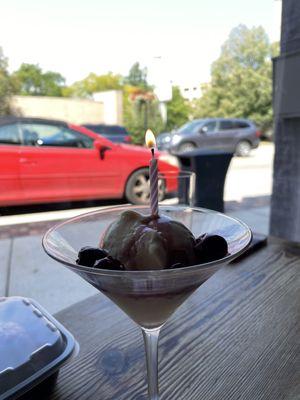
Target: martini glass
(148,297)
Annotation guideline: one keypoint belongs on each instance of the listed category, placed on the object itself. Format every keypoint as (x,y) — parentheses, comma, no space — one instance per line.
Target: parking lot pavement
(250,176)
(257,218)
(34,274)
(43,216)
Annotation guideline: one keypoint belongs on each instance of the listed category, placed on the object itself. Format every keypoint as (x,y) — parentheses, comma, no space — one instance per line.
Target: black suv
(236,135)
(114,133)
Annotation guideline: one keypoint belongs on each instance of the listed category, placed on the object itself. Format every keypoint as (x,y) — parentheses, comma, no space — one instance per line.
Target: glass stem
(151,347)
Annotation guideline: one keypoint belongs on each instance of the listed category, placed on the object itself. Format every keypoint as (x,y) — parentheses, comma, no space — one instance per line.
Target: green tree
(6,86)
(140,111)
(53,83)
(241,79)
(140,107)
(178,110)
(93,83)
(30,80)
(137,77)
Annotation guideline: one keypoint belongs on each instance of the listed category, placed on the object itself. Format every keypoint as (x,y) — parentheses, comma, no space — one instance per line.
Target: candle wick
(152,151)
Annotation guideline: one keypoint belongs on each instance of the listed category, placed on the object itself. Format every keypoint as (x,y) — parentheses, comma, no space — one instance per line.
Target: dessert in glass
(147,265)
(148,261)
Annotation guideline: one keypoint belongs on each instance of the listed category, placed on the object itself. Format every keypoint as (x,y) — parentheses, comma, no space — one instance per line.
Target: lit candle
(153,173)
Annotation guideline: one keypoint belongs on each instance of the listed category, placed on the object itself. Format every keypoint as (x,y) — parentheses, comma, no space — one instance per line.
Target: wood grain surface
(237,337)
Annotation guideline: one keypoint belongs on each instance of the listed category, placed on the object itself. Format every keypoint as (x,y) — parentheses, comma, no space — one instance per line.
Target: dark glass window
(209,127)
(226,125)
(53,135)
(107,129)
(241,124)
(9,134)
(191,127)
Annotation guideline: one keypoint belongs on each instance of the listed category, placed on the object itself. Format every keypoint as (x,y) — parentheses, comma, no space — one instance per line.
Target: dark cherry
(108,263)
(178,257)
(210,248)
(116,262)
(88,255)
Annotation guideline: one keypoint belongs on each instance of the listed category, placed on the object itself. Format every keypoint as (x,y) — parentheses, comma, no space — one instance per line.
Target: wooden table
(237,337)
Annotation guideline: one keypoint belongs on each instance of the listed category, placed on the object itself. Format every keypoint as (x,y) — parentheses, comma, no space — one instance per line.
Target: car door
(10,183)
(59,163)
(226,134)
(207,135)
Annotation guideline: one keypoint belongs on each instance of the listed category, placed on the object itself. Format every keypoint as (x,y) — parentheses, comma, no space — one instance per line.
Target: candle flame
(150,139)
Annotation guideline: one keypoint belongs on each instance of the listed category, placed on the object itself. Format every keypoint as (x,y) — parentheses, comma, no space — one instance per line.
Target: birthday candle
(153,173)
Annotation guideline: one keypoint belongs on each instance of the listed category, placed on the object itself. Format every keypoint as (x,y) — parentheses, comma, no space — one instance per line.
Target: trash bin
(210,167)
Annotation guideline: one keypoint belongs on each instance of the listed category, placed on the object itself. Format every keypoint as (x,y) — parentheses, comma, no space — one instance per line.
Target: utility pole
(285,204)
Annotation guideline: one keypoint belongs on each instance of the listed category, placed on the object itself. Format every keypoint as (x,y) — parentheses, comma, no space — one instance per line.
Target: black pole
(290,27)
(145,115)
(285,204)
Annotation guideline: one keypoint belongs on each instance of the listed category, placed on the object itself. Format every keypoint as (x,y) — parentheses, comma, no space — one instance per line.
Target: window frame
(226,130)
(19,134)
(210,132)
(62,127)
(247,124)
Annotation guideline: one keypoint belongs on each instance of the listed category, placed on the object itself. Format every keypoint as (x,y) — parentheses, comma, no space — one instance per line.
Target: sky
(175,39)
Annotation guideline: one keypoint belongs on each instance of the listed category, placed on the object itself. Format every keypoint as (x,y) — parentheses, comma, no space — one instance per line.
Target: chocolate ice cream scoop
(144,243)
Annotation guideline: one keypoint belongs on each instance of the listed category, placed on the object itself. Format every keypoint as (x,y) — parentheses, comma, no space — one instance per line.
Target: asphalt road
(250,176)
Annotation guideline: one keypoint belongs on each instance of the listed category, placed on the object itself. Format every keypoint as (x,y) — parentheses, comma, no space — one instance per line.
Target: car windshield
(190,127)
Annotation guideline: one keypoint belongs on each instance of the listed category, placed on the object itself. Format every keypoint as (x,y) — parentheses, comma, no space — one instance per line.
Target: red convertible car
(51,161)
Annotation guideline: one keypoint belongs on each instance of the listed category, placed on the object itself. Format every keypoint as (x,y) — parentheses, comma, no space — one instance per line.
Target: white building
(190,91)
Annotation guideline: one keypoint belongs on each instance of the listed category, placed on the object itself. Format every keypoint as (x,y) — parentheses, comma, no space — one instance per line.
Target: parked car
(115,133)
(236,135)
(50,161)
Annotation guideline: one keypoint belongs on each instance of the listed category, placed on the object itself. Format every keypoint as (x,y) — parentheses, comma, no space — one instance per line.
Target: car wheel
(185,147)
(137,189)
(243,148)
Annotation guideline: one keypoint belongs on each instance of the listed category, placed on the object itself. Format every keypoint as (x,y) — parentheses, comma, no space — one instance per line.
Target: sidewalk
(27,271)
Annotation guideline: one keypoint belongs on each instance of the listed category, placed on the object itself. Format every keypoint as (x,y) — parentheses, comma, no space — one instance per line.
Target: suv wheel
(185,147)
(137,189)
(243,148)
